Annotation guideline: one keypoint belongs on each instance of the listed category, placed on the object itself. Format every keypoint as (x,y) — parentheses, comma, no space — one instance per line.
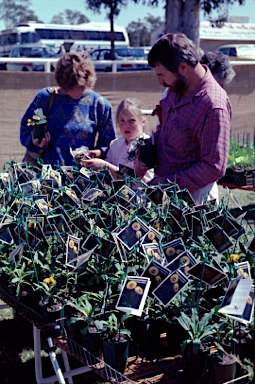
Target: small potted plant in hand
(38,122)
(115,340)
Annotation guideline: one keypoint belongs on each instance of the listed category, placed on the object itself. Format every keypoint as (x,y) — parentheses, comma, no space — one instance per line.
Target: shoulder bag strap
(51,101)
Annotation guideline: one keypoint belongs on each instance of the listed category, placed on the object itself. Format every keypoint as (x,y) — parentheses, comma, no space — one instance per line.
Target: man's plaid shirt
(193,140)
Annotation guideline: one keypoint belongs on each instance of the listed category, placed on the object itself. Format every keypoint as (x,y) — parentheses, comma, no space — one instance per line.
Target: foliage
(85,306)
(184,16)
(37,118)
(199,330)
(114,328)
(69,16)
(16,11)
(139,31)
(241,155)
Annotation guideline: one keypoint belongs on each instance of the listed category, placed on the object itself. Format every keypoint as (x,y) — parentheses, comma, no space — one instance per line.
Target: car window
(36,53)
(123,52)
(224,50)
(14,52)
(232,52)
(25,52)
(94,55)
(136,52)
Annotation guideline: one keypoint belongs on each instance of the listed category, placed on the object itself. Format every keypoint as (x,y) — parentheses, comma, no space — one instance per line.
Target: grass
(17,354)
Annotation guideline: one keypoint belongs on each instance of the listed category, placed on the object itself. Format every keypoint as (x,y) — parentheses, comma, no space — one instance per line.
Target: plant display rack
(140,370)
(72,239)
(158,368)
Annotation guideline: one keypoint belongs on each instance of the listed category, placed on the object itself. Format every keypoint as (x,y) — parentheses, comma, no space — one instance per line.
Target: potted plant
(222,365)
(78,313)
(201,333)
(20,279)
(241,163)
(51,303)
(115,342)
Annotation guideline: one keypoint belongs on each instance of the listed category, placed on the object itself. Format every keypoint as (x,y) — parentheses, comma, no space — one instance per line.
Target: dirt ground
(13,103)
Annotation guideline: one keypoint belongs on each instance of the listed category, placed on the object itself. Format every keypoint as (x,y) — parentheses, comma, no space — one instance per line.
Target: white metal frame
(59,376)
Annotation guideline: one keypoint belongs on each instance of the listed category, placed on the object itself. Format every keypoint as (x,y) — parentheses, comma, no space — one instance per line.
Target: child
(131,122)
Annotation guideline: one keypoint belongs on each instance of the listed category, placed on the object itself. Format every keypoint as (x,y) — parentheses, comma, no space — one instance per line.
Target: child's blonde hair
(134,106)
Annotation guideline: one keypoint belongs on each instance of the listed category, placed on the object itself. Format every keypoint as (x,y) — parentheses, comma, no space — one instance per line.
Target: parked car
(239,51)
(121,54)
(30,50)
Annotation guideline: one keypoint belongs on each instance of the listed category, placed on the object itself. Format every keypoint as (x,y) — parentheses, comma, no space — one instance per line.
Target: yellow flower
(30,264)
(176,287)
(233,257)
(153,271)
(71,243)
(139,290)
(131,284)
(170,251)
(151,235)
(136,226)
(35,117)
(50,280)
(158,279)
(174,278)
(157,226)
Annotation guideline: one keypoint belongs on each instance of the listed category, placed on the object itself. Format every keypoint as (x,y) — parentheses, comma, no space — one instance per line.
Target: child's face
(130,125)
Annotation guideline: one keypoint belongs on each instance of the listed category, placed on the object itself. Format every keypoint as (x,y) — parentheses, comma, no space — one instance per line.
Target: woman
(78,116)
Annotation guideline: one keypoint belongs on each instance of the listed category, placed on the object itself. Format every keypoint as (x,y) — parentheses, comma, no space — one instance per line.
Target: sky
(46,9)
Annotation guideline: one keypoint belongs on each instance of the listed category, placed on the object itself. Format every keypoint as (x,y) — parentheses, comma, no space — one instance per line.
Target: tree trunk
(183,16)
(112,11)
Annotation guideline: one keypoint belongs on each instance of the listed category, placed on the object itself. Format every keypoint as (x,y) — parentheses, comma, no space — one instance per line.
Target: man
(193,139)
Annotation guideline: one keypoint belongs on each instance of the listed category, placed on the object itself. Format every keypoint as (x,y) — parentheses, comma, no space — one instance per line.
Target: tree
(181,15)
(68,16)
(16,11)
(184,16)
(139,31)
(114,7)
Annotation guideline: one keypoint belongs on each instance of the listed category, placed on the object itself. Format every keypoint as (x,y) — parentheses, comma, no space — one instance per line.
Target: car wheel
(24,69)
(3,67)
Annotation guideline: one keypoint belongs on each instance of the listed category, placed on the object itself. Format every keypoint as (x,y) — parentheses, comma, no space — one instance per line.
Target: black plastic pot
(50,312)
(116,354)
(39,132)
(93,343)
(176,335)
(194,365)
(223,369)
(148,154)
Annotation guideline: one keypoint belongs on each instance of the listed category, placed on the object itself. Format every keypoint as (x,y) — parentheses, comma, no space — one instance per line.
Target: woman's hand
(44,142)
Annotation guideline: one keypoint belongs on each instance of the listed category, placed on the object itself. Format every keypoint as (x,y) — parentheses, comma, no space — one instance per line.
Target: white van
(239,51)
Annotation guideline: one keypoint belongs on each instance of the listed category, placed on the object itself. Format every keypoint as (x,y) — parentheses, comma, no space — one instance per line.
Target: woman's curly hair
(75,69)
(219,65)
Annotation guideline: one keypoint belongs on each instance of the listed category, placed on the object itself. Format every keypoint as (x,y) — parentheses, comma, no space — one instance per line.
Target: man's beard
(178,85)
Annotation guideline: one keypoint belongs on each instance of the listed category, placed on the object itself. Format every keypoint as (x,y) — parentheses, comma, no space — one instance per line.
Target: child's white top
(118,154)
